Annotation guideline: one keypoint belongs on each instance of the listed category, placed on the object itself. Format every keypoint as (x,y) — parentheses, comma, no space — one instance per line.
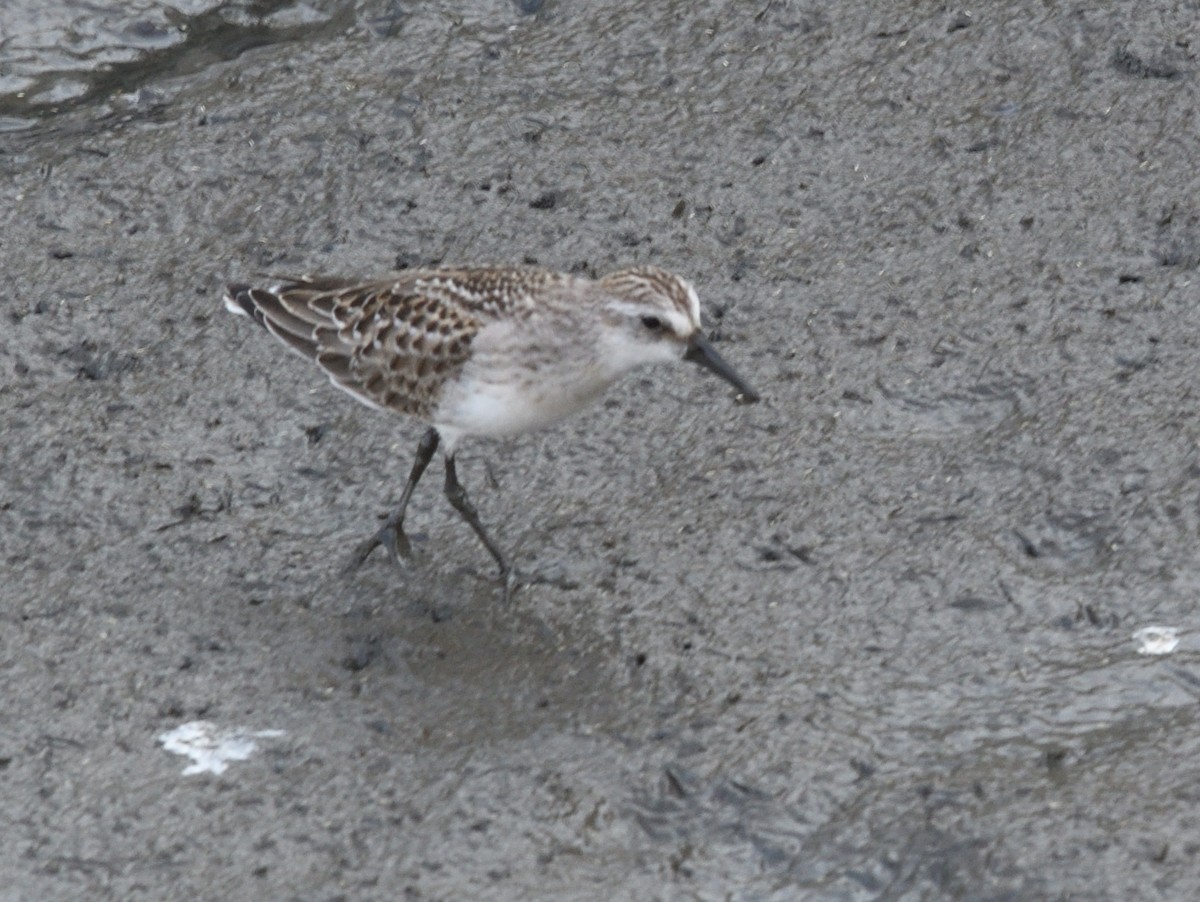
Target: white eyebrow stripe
(679,323)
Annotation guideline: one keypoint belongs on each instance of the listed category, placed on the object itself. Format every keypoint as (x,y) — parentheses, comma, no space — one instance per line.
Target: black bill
(701,352)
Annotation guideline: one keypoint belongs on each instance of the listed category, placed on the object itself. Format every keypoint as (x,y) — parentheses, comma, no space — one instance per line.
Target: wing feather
(390,344)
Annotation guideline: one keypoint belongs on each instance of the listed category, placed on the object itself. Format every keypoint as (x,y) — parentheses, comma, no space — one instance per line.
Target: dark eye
(653,323)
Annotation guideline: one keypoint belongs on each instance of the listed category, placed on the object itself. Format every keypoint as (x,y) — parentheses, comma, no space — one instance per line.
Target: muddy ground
(869,639)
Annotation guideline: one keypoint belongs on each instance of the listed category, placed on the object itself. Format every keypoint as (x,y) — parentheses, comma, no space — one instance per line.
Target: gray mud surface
(869,639)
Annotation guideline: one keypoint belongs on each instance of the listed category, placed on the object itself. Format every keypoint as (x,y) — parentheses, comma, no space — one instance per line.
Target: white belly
(500,408)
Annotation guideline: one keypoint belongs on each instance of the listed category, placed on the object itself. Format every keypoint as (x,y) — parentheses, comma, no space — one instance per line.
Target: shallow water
(59,54)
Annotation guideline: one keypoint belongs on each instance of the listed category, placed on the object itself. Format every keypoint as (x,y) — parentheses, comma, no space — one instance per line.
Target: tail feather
(305,347)
(280,316)
(237,299)
(270,308)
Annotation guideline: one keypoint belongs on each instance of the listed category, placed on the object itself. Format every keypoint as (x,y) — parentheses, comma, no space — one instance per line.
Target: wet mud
(868,639)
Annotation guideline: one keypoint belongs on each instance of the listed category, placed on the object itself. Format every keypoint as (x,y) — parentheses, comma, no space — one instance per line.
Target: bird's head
(654,316)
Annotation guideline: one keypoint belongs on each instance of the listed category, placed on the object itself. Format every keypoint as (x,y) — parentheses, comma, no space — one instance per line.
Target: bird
(488,351)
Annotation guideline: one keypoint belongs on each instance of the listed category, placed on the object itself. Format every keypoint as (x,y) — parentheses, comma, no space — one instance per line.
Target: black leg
(391,536)
(458,497)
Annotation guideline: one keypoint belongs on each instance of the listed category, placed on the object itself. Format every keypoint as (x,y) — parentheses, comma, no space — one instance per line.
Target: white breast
(480,404)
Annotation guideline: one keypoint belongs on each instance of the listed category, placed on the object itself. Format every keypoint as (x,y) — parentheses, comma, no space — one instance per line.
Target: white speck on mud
(1156,640)
(212,747)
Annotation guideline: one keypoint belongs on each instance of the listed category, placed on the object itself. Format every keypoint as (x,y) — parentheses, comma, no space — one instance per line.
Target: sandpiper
(489,351)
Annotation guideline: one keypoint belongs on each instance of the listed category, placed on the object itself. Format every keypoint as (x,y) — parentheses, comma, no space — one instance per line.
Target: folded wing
(388,344)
